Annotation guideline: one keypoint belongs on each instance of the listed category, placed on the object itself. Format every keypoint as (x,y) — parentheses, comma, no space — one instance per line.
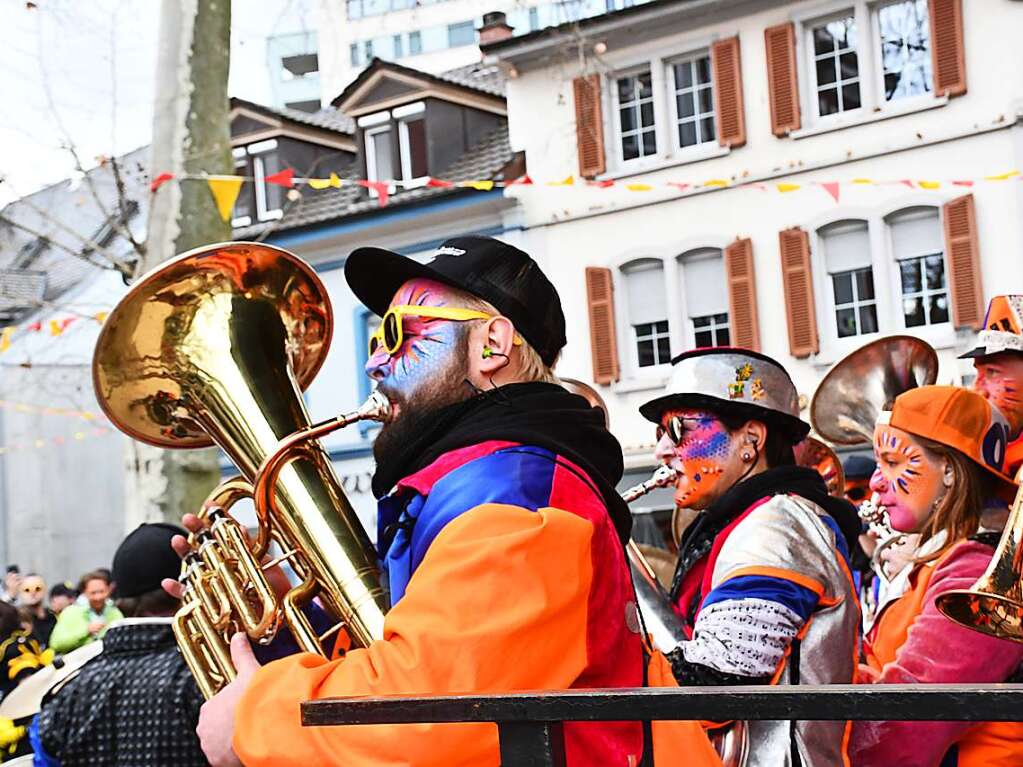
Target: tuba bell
(215,347)
(855,392)
(994,604)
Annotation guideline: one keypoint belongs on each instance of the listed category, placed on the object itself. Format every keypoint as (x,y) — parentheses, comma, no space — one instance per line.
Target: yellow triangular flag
(56,328)
(716,182)
(862,181)
(225,191)
(335,181)
(5,338)
(319,183)
(568,181)
(101,317)
(481,186)
(929,184)
(1002,176)
(638,187)
(788,187)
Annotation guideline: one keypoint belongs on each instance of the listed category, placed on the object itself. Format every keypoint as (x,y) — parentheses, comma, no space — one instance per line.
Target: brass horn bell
(215,346)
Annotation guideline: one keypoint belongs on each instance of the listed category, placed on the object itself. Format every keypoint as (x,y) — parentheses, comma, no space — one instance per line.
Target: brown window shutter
(797,278)
(963,259)
(603,339)
(589,125)
(742,295)
(948,56)
(782,80)
(731,119)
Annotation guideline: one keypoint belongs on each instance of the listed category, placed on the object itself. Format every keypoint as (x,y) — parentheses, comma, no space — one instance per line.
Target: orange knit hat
(960,419)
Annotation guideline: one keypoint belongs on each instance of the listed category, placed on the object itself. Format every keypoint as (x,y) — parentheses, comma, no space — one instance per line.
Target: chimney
(495,27)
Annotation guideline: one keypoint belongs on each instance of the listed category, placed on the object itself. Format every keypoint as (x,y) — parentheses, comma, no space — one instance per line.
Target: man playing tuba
(499,527)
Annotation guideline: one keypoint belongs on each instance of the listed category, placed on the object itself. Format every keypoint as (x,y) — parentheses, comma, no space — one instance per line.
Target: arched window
(647,312)
(704,288)
(919,251)
(847,260)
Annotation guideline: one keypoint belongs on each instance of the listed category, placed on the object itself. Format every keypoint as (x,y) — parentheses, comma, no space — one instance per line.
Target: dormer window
(257,200)
(395,143)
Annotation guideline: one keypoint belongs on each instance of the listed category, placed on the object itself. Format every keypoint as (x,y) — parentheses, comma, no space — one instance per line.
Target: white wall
(574,227)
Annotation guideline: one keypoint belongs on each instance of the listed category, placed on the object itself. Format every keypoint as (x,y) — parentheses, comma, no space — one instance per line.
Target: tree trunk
(191,135)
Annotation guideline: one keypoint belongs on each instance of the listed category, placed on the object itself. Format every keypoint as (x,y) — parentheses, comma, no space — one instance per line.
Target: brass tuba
(856,391)
(215,346)
(994,604)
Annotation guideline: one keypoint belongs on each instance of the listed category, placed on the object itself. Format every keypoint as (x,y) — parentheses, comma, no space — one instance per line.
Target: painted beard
(447,386)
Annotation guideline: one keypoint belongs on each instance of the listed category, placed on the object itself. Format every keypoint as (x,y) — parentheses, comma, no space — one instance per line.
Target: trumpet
(215,346)
(876,517)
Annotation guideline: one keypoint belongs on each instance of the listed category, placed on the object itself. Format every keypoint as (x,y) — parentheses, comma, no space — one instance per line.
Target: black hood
(540,414)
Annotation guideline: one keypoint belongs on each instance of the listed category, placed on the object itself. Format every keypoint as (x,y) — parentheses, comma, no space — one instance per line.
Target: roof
(663,15)
(475,78)
(484,161)
(43,236)
(327,118)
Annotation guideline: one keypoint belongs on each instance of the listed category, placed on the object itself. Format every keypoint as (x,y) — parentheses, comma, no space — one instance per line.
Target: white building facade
(798,177)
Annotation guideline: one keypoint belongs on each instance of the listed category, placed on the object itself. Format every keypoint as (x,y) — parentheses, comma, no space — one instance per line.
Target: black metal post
(531,744)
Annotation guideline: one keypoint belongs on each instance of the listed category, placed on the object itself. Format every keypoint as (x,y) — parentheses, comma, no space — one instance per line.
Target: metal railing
(530,724)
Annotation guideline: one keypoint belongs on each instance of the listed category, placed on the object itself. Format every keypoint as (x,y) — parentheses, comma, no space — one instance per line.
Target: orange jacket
(528,595)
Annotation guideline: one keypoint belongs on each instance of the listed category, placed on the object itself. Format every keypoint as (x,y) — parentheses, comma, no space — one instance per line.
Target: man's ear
(497,344)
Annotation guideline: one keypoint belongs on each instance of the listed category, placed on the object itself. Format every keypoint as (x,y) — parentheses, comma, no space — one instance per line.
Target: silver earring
(746,456)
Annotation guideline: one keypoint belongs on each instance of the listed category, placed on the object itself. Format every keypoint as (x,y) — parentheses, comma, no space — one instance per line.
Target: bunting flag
(225,189)
(5,338)
(24,407)
(38,443)
(225,192)
(55,327)
(285,178)
(59,326)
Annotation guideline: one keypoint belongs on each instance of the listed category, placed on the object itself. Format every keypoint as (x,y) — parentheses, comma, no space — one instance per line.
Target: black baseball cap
(499,273)
(145,558)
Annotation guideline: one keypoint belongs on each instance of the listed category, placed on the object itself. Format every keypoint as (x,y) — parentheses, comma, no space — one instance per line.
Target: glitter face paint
(702,455)
(1000,379)
(426,342)
(908,478)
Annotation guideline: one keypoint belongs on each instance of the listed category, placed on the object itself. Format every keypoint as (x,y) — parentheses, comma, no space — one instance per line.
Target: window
(905,40)
(635,106)
(836,66)
(463,33)
(919,250)
(368,48)
(534,19)
(399,48)
(380,163)
(847,258)
(648,312)
(353,55)
(694,101)
(867,56)
(704,288)
(257,200)
(415,43)
(412,134)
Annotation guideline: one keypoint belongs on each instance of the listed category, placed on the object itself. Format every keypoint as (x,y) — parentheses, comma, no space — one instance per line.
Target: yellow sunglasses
(390,334)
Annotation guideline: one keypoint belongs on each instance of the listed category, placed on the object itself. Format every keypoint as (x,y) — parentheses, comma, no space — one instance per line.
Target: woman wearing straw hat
(762,583)
(940,454)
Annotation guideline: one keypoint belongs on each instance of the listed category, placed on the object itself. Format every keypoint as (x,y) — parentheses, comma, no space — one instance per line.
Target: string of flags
(24,407)
(38,443)
(225,189)
(52,327)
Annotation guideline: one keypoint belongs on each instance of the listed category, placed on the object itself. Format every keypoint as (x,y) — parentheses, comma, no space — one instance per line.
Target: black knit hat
(487,268)
(145,558)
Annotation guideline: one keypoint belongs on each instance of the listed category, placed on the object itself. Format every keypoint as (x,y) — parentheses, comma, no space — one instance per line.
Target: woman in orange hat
(940,456)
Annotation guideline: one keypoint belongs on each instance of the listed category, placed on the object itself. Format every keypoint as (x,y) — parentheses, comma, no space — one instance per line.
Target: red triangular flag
(35,327)
(382,188)
(907,182)
(962,183)
(602,184)
(523,180)
(159,181)
(831,187)
(681,186)
(285,178)
(436,182)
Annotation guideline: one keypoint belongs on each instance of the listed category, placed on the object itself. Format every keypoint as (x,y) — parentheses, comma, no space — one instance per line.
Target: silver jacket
(787,534)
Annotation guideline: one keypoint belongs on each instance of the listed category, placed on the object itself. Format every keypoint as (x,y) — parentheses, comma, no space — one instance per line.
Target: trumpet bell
(857,389)
(160,344)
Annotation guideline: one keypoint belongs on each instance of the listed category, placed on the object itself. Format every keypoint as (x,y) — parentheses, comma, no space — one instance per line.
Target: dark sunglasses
(856,493)
(675,428)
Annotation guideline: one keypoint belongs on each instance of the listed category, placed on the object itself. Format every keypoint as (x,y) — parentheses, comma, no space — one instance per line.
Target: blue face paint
(427,343)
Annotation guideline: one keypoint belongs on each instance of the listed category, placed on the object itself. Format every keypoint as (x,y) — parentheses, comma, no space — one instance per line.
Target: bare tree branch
(116,264)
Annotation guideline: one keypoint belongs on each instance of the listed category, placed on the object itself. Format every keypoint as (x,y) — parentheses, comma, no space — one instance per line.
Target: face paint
(703,454)
(426,347)
(1000,379)
(908,478)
